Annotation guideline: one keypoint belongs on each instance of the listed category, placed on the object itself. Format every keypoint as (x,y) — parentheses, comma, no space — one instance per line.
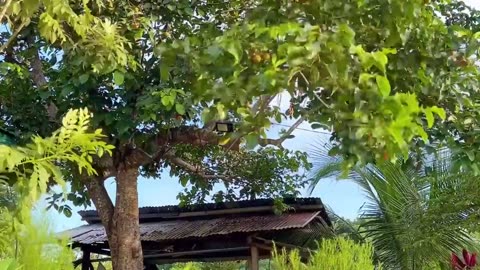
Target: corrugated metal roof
(173,210)
(181,229)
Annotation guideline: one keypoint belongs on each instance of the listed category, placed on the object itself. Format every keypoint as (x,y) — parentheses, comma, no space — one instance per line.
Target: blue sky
(343,197)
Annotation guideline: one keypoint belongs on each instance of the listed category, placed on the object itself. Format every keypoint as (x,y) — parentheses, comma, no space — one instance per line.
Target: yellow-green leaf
(429,117)
(383,85)
(224,140)
(439,111)
(118,77)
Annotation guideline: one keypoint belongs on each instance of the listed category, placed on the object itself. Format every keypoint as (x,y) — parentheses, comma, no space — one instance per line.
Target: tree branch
(195,136)
(292,128)
(170,156)
(13,37)
(278,142)
(4,9)
(262,103)
(101,199)
(40,80)
(187,135)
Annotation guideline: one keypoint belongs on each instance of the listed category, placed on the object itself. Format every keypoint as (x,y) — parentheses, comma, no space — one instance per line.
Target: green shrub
(333,254)
(36,248)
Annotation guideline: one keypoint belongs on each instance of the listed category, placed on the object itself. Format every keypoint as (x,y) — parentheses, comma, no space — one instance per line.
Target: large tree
(159,75)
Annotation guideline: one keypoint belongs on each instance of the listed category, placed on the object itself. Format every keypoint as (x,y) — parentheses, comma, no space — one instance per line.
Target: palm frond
(405,216)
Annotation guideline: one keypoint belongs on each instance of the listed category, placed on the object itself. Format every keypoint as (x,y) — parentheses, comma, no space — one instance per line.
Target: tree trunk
(105,208)
(124,239)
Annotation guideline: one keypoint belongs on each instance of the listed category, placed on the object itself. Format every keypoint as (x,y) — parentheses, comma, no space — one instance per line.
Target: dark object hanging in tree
(224,127)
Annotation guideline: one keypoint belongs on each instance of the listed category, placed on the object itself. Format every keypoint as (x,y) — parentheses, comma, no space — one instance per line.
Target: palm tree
(406,216)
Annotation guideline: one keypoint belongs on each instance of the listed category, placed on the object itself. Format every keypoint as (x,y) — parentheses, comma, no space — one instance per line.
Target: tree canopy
(385,77)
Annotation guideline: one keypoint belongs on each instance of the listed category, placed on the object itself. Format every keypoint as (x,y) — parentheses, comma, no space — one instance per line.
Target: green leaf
(222,114)
(207,115)
(180,108)
(167,100)
(383,85)
(381,60)
(67,212)
(439,111)
(251,140)
(316,125)
(429,117)
(234,48)
(100,151)
(278,117)
(364,78)
(214,51)
(164,72)
(118,78)
(346,35)
(471,155)
(183,181)
(8,264)
(83,78)
(224,140)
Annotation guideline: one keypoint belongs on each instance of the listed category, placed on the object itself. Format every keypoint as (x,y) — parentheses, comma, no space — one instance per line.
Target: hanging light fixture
(223,127)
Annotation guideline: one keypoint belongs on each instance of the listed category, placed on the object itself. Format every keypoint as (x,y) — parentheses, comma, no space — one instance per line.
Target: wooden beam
(263,246)
(86,259)
(265,243)
(193,252)
(270,242)
(253,258)
(201,259)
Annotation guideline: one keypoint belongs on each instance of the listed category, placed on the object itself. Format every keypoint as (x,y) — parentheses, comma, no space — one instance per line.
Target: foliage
(177,81)
(337,253)
(26,172)
(382,75)
(469,261)
(342,227)
(31,168)
(60,23)
(406,216)
(204,266)
(289,49)
(37,248)
(243,174)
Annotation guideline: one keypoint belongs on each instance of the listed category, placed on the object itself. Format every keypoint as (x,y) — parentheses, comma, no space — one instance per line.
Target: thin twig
(14,36)
(4,10)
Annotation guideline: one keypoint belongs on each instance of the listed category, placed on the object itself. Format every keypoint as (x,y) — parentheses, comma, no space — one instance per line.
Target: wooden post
(253,258)
(86,258)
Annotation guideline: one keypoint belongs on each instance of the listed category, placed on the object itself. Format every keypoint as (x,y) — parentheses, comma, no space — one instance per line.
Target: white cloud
(473,3)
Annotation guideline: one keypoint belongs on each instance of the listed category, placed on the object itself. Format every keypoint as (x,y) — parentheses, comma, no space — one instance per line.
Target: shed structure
(244,230)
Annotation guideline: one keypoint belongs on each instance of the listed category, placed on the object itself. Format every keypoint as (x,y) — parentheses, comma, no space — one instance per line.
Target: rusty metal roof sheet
(181,229)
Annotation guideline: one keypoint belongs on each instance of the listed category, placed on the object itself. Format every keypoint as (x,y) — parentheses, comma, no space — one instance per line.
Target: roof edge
(216,209)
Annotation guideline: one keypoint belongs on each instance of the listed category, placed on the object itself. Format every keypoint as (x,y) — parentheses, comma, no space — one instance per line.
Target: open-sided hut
(244,230)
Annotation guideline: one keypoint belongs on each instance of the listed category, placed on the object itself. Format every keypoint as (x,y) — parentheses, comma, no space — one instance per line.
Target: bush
(334,254)
(37,248)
